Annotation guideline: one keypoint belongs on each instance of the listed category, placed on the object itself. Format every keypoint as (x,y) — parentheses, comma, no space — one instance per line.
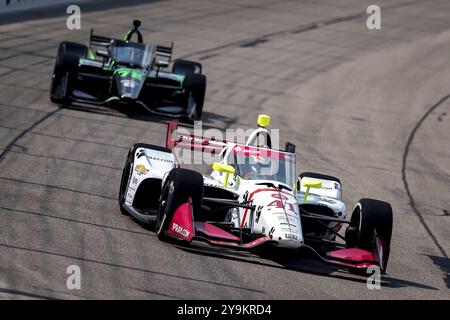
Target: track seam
(92,224)
(58,188)
(412,202)
(253,41)
(138,269)
(65,159)
(24,132)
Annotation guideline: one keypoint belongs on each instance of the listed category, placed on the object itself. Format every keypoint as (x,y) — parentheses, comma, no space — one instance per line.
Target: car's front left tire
(66,64)
(180,186)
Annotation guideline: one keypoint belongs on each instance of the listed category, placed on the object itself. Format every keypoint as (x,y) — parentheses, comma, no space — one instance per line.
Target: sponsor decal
(279,205)
(129,83)
(141,153)
(271,232)
(235,215)
(141,169)
(180,230)
(330,201)
(291,236)
(279,196)
(161,159)
(258,213)
(125,72)
(245,197)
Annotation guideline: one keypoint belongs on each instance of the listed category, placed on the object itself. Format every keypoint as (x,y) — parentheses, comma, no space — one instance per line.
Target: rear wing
(175,138)
(100,41)
(183,139)
(164,51)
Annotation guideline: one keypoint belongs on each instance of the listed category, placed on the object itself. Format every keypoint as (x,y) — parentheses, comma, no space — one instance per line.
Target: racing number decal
(279,202)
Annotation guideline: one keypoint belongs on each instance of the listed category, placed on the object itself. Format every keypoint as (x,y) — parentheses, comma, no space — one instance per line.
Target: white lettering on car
(180,230)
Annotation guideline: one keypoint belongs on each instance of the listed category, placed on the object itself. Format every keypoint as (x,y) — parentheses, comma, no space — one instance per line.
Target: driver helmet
(257,166)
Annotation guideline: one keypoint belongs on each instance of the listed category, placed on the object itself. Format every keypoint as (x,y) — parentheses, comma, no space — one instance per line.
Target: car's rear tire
(195,90)
(180,185)
(370,216)
(186,67)
(66,64)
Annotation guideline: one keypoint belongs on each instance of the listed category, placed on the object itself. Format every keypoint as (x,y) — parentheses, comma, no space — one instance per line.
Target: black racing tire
(66,64)
(127,170)
(369,216)
(186,67)
(68,55)
(180,185)
(195,88)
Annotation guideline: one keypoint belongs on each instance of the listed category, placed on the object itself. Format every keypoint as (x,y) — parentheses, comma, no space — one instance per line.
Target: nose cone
(128,87)
(276,215)
(288,235)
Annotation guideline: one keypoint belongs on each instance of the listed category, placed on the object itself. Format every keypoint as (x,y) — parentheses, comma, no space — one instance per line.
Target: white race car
(251,199)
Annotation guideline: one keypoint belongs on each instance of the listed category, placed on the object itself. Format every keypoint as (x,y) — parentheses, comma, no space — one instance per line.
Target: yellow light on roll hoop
(263,120)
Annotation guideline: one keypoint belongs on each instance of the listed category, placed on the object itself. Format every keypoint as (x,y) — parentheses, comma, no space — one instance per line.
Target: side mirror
(227,169)
(263,120)
(310,183)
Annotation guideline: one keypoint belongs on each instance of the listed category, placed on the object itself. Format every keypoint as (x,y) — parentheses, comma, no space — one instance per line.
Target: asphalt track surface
(371,107)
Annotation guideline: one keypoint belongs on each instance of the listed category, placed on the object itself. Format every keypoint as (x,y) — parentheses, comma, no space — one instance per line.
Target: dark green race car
(134,74)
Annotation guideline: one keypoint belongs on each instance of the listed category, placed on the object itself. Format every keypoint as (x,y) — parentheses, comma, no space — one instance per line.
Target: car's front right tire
(185,67)
(370,219)
(195,89)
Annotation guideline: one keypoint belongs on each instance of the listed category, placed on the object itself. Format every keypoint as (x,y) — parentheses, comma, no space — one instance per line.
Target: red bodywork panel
(181,227)
(353,258)
(352,254)
(217,236)
(245,246)
(212,231)
(192,142)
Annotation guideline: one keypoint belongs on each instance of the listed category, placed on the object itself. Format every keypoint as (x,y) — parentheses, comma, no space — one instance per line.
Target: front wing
(183,227)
